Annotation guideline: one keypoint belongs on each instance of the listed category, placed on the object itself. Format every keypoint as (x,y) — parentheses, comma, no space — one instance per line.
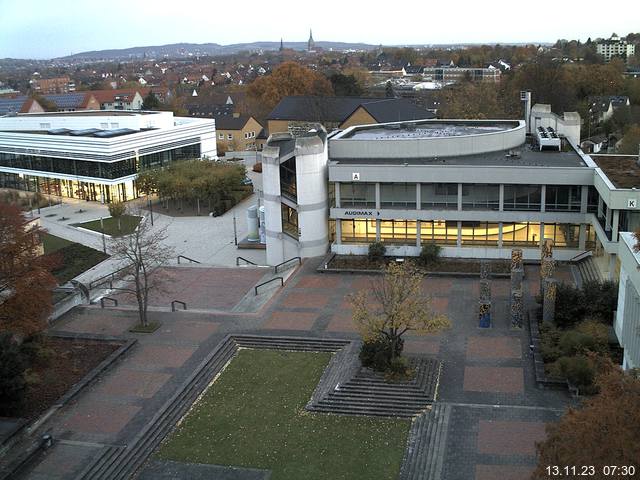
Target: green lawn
(128,224)
(253,416)
(51,243)
(72,258)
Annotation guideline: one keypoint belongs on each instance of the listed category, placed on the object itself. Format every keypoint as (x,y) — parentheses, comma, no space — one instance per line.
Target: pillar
(584,199)
(378,196)
(336,192)
(501,204)
(459,199)
(549,301)
(543,198)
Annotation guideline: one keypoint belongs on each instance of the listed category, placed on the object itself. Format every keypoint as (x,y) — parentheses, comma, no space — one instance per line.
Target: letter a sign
(355,176)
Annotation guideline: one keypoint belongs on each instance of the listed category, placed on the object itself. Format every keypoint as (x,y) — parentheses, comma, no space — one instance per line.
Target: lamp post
(104,242)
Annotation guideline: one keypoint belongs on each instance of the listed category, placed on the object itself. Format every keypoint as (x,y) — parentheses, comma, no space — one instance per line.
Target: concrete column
(600,207)
(338,239)
(500,235)
(377,226)
(614,227)
(336,190)
(459,241)
(501,206)
(418,234)
(584,198)
(607,219)
(378,198)
(549,301)
(459,202)
(541,234)
(543,198)
(612,266)
(418,197)
(582,239)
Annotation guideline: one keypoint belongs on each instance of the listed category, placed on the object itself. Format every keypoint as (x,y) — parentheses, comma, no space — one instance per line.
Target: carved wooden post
(549,300)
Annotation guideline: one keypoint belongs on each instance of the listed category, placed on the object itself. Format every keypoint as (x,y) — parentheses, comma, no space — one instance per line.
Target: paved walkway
(497,412)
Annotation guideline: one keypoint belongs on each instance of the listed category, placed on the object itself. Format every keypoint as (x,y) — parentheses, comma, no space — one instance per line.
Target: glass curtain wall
(477,196)
(357,195)
(358,231)
(522,197)
(398,195)
(439,196)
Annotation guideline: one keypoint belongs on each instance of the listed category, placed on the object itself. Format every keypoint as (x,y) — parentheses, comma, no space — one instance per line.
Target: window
(526,234)
(221,136)
(563,198)
(398,195)
(402,232)
(115,125)
(479,233)
(45,126)
(246,135)
(358,231)
(439,196)
(564,235)
(480,197)
(440,232)
(592,200)
(229,136)
(288,184)
(357,195)
(522,197)
(289,220)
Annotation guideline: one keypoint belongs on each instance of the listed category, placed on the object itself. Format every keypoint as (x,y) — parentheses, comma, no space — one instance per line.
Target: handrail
(275,269)
(110,276)
(173,305)
(269,281)
(187,258)
(244,259)
(114,300)
(582,255)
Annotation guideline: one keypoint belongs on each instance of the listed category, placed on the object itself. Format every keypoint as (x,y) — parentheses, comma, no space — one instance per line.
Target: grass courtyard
(128,224)
(72,258)
(253,416)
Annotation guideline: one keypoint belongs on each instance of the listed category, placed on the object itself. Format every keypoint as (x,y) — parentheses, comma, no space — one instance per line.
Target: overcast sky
(52,28)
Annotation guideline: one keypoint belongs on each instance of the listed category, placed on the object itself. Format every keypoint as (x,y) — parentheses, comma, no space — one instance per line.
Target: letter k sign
(632,203)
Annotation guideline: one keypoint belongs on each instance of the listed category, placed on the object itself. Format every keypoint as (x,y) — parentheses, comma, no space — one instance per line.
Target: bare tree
(143,253)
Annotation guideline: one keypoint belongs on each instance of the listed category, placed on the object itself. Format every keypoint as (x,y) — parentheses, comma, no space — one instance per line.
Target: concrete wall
(627,321)
(272,209)
(567,125)
(342,146)
(311,177)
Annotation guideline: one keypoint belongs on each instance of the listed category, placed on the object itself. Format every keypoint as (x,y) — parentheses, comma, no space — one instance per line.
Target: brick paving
(498,413)
(494,379)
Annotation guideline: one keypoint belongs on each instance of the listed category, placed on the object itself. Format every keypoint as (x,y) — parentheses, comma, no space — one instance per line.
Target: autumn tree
(289,78)
(604,431)
(631,141)
(346,85)
(117,210)
(151,101)
(143,254)
(25,275)
(471,100)
(398,305)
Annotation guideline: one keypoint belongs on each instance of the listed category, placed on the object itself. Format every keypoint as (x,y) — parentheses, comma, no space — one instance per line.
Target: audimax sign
(361,213)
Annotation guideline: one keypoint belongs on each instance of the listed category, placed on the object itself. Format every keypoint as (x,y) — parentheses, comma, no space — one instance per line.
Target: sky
(46,29)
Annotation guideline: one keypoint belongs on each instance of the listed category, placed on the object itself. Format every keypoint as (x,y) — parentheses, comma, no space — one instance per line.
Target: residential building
(602,108)
(297,112)
(615,47)
(237,133)
(96,155)
(70,102)
(20,104)
(458,74)
(121,99)
(47,86)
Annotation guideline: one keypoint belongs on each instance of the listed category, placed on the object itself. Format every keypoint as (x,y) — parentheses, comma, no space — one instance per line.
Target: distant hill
(191,49)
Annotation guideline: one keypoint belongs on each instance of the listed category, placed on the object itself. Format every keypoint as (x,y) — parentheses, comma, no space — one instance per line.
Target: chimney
(525,96)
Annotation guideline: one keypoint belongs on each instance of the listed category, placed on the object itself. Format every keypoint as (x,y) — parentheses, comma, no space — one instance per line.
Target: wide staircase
(368,393)
(587,268)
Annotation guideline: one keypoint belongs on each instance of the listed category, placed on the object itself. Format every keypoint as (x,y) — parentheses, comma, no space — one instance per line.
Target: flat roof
(87,132)
(622,170)
(89,113)
(529,156)
(433,129)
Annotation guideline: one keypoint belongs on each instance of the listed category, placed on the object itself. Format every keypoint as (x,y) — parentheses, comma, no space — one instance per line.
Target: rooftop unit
(547,137)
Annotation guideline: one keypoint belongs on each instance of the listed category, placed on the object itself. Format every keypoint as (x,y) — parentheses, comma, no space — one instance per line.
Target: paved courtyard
(498,413)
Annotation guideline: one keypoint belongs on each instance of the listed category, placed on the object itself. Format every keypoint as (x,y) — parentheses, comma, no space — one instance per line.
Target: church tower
(281,45)
(311,45)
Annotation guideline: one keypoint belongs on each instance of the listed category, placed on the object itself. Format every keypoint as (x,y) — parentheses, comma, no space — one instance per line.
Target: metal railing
(275,269)
(581,256)
(267,282)
(110,277)
(245,260)
(114,300)
(187,258)
(173,305)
